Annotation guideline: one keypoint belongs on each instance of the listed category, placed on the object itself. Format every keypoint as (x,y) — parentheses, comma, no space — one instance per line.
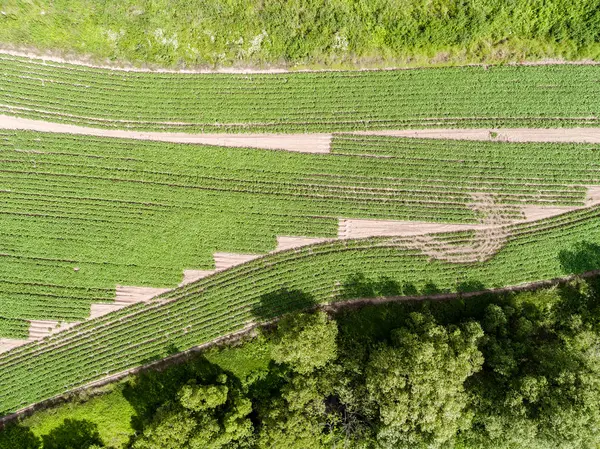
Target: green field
(279,283)
(208,33)
(140,213)
(500,96)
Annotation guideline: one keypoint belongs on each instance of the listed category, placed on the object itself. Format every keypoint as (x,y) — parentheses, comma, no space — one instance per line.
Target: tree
(297,418)
(540,386)
(305,342)
(294,415)
(73,434)
(203,417)
(416,384)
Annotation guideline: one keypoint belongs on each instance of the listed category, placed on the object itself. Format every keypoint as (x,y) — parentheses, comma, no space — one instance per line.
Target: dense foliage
(495,371)
(213,32)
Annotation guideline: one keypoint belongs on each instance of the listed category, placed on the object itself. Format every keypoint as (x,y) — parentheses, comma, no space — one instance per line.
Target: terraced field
(80,215)
(228,301)
(170,245)
(522,96)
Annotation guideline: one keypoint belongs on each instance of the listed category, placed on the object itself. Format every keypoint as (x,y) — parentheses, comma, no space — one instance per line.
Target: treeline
(495,371)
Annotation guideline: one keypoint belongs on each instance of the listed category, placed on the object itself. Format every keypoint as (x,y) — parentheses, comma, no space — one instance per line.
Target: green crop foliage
(521,96)
(79,215)
(228,301)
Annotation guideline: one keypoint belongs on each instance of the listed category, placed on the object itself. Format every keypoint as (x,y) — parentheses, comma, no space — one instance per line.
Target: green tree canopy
(203,417)
(416,384)
(305,342)
(15,436)
(540,386)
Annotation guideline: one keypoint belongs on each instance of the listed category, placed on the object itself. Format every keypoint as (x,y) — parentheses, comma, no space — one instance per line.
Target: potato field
(521,96)
(82,216)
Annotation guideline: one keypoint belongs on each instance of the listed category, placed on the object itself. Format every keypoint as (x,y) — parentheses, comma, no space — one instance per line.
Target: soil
(305,143)
(584,135)
(88,61)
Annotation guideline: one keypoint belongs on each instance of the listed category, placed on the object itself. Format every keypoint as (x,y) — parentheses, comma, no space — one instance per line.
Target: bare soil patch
(190,276)
(358,228)
(228,260)
(305,143)
(289,242)
(583,135)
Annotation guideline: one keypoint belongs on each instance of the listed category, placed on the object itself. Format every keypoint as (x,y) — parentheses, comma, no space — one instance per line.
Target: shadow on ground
(584,257)
(282,301)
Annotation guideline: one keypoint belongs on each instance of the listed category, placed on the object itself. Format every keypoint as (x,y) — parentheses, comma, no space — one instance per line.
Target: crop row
(562,95)
(79,215)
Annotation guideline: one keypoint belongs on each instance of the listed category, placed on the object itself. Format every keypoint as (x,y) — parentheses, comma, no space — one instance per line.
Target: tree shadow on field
(357,285)
(584,257)
(73,434)
(470,285)
(16,436)
(282,301)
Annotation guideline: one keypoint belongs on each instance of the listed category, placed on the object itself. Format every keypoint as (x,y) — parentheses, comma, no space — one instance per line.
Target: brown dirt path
(48,57)
(304,143)
(308,143)
(583,135)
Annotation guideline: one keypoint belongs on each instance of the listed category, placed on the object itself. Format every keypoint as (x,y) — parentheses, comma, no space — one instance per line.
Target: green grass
(296,33)
(521,96)
(277,284)
(139,213)
(110,411)
(245,360)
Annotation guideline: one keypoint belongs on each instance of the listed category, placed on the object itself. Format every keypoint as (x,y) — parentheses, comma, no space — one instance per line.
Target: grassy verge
(299,33)
(109,411)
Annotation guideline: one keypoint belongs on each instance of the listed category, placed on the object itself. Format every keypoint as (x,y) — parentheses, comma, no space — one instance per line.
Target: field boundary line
(124,66)
(303,143)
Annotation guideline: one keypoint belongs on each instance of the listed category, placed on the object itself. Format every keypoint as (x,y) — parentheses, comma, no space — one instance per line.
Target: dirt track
(308,143)
(305,143)
(585,135)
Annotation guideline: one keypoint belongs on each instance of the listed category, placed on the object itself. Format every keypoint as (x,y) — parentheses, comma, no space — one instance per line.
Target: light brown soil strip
(228,260)
(355,228)
(583,135)
(533,213)
(128,295)
(38,329)
(53,57)
(6,344)
(593,196)
(304,143)
(125,296)
(190,276)
(309,143)
(288,242)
